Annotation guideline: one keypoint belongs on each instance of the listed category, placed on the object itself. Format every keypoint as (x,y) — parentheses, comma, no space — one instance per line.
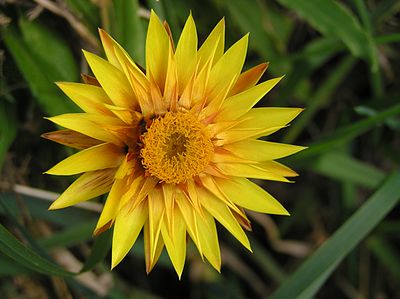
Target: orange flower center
(176,147)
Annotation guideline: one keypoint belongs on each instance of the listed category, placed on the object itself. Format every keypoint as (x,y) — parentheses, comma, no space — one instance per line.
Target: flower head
(173,146)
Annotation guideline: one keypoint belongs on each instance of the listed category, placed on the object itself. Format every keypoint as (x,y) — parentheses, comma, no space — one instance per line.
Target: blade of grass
(347,169)
(307,280)
(100,248)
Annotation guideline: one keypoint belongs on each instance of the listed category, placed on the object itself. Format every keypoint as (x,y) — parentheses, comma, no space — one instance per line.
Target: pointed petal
(71,138)
(248,79)
(100,156)
(216,37)
(259,150)
(111,205)
(87,186)
(114,82)
(228,67)
(89,124)
(223,214)
(186,53)
(249,196)
(108,45)
(175,240)
(239,104)
(127,227)
(151,260)
(157,49)
(89,98)
(254,171)
(90,80)
(239,134)
(156,216)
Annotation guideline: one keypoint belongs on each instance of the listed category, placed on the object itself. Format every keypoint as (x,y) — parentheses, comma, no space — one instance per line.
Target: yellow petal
(151,260)
(89,124)
(255,171)
(111,205)
(239,104)
(249,196)
(94,158)
(87,186)
(127,227)
(228,67)
(156,215)
(258,150)
(209,48)
(249,78)
(223,214)
(114,82)
(108,45)
(71,138)
(157,49)
(186,53)
(175,240)
(89,98)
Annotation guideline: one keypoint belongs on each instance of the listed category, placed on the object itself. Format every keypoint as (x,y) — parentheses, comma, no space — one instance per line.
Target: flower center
(176,147)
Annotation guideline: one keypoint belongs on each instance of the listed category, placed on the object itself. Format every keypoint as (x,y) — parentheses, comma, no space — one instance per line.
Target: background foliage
(341,60)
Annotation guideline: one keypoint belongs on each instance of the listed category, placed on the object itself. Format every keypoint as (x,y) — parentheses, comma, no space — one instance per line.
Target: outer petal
(156,216)
(216,37)
(249,78)
(108,45)
(127,227)
(186,53)
(111,206)
(175,240)
(223,214)
(89,124)
(94,158)
(259,150)
(88,97)
(114,82)
(228,67)
(71,138)
(87,186)
(249,196)
(241,103)
(157,49)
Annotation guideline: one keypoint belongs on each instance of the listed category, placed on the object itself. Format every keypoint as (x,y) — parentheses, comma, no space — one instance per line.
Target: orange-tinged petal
(108,44)
(174,237)
(114,82)
(223,214)
(186,53)
(127,227)
(259,150)
(228,67)
(89,98)
(91,125)
(239,104)
(157,49)
(213,45)
(248,78)
(71,138)
(100,156)
(249,196)
(111,205)
(87,186)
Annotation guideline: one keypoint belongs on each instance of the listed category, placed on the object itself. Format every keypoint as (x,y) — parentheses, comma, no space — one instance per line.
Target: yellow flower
(174,145)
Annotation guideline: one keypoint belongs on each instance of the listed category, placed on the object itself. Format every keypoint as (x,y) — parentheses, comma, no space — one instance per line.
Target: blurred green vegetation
(341,60)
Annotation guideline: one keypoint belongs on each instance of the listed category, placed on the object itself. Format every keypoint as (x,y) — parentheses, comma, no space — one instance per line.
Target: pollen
(176,147)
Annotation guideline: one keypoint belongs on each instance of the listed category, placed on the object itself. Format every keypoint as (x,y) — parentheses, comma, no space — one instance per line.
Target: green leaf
(17,251)
(347,169)
(307,280)
(385,253)
(8,129)
(87,11)
(50,98)
(100,248)
(334,19)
